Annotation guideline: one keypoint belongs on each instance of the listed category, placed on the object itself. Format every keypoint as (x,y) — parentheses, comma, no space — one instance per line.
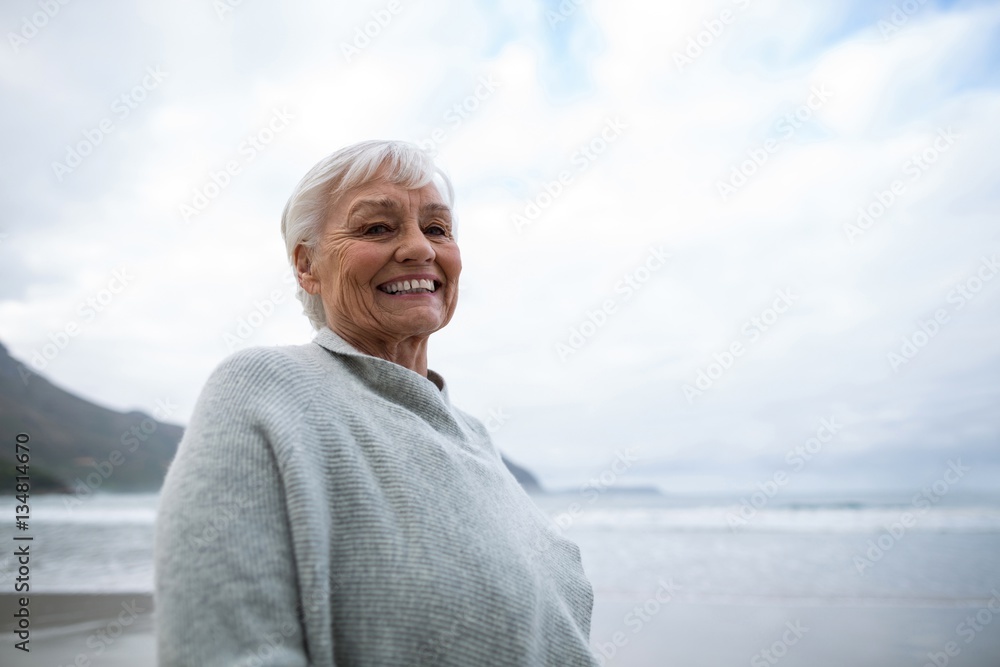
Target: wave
(811,520)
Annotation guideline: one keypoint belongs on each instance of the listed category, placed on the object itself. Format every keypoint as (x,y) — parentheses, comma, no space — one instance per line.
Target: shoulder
(267,365)
(472,423)
(258,377)
(481,431)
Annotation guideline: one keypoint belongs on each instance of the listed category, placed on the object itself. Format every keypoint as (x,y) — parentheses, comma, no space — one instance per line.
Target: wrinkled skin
(374,234)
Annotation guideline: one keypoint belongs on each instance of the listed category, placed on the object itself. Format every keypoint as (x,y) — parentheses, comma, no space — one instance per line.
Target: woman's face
(378,237)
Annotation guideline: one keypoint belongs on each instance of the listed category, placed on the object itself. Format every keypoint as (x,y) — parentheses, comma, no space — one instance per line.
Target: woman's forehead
(383,194)
(381,203)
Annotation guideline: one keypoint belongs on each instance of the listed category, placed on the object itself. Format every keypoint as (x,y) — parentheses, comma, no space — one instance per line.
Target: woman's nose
(414,244)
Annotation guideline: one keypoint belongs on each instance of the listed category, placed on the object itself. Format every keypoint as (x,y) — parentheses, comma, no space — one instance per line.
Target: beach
(817,585)
(818,635)
(95,630)
(77,630)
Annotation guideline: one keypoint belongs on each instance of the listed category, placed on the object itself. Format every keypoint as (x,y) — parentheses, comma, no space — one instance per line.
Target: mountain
(75,445)
(528,481)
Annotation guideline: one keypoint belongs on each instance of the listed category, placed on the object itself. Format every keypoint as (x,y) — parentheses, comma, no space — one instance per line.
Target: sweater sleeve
(225,576)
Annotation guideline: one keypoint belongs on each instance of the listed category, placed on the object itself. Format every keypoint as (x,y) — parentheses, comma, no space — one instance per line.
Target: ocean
(677,581)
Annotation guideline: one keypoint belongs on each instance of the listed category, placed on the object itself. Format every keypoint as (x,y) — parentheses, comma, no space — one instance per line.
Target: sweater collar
(328,339)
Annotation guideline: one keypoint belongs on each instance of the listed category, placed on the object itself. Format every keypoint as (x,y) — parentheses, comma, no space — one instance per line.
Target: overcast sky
(692,231)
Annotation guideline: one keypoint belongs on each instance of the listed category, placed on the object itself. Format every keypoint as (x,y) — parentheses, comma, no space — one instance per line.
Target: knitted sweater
(327,507)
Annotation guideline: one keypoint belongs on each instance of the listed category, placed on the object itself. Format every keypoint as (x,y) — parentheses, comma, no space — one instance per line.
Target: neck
(407,352)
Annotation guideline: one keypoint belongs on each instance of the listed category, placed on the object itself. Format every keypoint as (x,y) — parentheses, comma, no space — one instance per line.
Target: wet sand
(116,630)
(112,630)
(691,634)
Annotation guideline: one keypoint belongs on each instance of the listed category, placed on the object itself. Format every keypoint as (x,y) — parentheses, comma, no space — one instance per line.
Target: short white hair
(401,162)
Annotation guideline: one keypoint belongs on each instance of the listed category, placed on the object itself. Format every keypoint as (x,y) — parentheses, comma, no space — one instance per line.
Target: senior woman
(328,505)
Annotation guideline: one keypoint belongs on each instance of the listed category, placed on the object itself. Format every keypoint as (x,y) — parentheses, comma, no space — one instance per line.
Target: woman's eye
(436,230)
(377,228)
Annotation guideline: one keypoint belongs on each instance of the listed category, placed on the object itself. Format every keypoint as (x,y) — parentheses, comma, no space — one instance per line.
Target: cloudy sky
(695,234)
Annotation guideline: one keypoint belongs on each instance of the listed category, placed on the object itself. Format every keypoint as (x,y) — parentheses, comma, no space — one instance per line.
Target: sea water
(676,581)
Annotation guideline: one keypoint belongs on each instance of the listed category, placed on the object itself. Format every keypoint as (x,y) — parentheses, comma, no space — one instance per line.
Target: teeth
(409,287)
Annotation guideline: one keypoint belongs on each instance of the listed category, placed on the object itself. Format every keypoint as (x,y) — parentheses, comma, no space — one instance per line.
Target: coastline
(88,629)
(96,629)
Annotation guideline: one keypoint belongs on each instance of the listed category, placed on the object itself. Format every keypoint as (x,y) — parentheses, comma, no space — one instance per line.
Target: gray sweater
(327,507)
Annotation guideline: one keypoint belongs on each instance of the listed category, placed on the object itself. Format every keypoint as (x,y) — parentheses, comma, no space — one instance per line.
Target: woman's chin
(415,323)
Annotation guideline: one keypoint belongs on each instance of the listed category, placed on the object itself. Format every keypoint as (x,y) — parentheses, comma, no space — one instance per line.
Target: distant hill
(523,477)
(70,436)
(74,442)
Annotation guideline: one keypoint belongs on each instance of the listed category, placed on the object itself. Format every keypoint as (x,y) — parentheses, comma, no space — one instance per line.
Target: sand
(113,630)
(824,634)
(78,629)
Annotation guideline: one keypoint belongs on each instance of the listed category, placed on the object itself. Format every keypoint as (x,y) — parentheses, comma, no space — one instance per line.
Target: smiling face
(386,264)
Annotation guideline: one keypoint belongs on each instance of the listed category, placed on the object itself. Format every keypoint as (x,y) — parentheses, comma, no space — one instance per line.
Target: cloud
(807,114)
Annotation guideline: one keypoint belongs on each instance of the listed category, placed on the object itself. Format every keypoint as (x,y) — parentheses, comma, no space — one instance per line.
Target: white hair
(401,162)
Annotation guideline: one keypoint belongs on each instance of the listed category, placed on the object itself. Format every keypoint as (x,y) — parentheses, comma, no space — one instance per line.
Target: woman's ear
(304,269)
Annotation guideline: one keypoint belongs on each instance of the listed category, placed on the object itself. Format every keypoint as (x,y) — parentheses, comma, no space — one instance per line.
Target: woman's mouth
(414,286)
